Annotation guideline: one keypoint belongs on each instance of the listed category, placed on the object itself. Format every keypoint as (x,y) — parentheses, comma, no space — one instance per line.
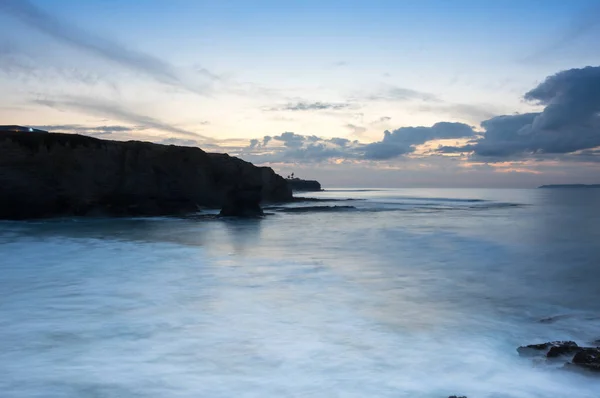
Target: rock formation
(297,184)
(581,358)
(48,175)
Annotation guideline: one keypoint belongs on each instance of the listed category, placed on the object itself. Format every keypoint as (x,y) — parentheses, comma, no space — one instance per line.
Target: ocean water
(396,293)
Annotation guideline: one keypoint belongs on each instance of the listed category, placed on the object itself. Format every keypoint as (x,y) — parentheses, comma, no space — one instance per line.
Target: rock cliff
(298,184)
(48,175)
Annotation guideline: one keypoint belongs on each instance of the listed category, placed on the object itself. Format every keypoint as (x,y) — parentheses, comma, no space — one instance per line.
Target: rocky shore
(571,355)
(55,175)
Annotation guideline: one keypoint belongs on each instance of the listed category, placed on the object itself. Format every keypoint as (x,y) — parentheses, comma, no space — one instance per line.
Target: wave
(457,200)
(310,209)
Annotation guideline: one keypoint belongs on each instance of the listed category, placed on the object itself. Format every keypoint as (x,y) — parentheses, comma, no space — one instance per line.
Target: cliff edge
(49,175)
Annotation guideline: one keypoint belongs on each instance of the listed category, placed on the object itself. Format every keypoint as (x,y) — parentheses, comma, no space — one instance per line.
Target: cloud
(383,119)
(62,31)
(356,130)
(405,139)
(341,142)
(311,106)
(80,129)
(469,112)
(569,122)
(291,140)
(114,111)
(254,143)
(310,148)
(394,93)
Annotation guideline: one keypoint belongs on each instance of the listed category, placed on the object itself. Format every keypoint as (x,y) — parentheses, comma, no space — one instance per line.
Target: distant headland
(300,185)
(570,186)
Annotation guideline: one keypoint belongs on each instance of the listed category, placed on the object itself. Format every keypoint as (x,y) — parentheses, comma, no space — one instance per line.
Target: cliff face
(46,175)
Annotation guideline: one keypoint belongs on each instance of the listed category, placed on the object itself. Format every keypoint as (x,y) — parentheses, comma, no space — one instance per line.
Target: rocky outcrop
(297,184)
(578,358)
(48,175)
(242,202)
(551,349)
(588,359)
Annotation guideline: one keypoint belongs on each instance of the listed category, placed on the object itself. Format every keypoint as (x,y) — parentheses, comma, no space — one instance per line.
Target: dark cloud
(291,140)
(341,142)
(571,97)
(40,20)
(114,111)
(569,122)
(312,106)
(254,143)
(405,139)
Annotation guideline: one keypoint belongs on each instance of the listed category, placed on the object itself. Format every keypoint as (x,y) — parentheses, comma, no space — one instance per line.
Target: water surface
(407,293)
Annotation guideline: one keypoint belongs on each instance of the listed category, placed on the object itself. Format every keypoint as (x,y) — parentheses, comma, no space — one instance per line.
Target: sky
(379,93)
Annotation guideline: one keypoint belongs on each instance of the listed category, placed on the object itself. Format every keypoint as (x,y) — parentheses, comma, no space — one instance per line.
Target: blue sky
(224,75)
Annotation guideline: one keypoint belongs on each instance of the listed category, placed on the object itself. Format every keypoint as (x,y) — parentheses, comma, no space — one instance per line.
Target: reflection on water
(392,303)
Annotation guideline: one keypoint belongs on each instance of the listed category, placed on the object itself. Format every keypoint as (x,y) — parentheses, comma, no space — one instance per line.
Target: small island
(570,186)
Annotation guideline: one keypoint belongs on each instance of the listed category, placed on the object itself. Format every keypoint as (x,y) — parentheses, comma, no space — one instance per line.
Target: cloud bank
(569,124)
(570,121)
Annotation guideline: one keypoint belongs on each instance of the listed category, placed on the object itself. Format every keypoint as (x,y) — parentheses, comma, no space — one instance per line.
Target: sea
(358,293)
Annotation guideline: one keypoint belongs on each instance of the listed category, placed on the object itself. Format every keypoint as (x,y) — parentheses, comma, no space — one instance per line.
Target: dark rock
(544,348)
(243,202)
(456,396)
(297,184)
(587,359)
(50,175)
(563,350)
